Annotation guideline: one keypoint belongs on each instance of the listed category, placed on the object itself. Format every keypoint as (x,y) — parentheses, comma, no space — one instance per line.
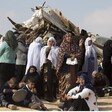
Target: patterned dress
(67,73)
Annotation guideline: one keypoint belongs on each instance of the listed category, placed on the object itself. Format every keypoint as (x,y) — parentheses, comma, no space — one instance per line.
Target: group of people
(46,68)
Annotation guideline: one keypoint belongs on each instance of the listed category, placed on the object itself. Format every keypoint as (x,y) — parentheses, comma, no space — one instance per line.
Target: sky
(95,16)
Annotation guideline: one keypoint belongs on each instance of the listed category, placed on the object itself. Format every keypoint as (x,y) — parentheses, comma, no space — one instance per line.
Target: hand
(21,84)
(72,57)
(68,97)
(14,90)
(4,91)
(34,90)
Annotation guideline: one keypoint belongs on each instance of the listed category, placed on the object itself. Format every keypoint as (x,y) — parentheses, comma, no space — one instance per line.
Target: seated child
(31,99)
(32,73)
(99,81)
(8,89)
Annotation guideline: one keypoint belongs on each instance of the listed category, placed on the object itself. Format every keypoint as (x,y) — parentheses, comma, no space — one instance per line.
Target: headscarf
(28,72)
(64,47)
(39,40)
(0,35)
(48,53)
(86,41)
(11,39)
(88,83)
(107,51)
(22,38)
(53,39)
(83,32)
(108,45)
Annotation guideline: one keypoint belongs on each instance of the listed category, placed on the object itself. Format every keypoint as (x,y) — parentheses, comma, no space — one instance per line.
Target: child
(31,99)
(6,93)
(99,81)
(32,74)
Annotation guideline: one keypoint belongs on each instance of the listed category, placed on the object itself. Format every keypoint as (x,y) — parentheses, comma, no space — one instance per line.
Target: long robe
(90,61)
(33,57)
(67,73)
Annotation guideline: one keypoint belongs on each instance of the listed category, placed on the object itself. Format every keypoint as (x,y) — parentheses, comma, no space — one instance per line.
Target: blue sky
(93,15)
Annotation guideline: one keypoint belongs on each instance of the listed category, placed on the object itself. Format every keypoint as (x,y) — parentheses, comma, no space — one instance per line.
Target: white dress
(52,55)
(87,94)
(33,57)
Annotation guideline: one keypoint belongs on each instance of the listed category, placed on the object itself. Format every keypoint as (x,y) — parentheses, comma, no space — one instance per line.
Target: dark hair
(81,72)
(31,67)
(30,80)
(83,32)
(0,35)
(13,79)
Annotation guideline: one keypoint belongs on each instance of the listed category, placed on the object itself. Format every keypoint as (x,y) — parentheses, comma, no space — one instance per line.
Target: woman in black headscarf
(107,64)
(8,49)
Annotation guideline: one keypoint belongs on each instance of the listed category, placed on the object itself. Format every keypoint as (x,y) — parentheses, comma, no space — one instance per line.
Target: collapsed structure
(45,21)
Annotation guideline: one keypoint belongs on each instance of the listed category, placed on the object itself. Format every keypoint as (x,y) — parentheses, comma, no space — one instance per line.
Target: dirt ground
(104,104)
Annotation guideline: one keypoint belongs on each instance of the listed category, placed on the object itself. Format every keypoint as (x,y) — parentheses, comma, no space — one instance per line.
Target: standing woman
(33,57)
(67,73)
(90,62)
(8,49)
(107,62)
(48,62)
(21,57)
(82,57)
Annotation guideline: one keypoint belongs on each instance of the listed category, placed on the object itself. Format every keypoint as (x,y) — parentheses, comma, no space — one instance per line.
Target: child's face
(31,85)
(12,84)
(32,70)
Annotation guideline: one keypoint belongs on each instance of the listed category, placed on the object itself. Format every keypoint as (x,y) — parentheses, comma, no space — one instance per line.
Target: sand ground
(104,104)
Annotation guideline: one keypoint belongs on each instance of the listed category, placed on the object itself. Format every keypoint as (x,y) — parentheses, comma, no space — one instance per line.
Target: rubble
(45,21)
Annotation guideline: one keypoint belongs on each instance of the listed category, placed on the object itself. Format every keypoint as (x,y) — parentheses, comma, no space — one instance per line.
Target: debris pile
(45,20)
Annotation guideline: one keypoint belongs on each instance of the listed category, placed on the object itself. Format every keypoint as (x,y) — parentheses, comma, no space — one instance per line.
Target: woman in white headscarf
(33,57)
(51,43)
(48,62)
(90,63)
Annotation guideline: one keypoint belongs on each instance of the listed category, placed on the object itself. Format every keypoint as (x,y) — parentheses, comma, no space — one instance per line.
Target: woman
(48,62)
(32,74)
(107,58)
(67,73)
(21,57)
(8,49)
(82,97)
(90,62)
(33,57)
(82,57)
